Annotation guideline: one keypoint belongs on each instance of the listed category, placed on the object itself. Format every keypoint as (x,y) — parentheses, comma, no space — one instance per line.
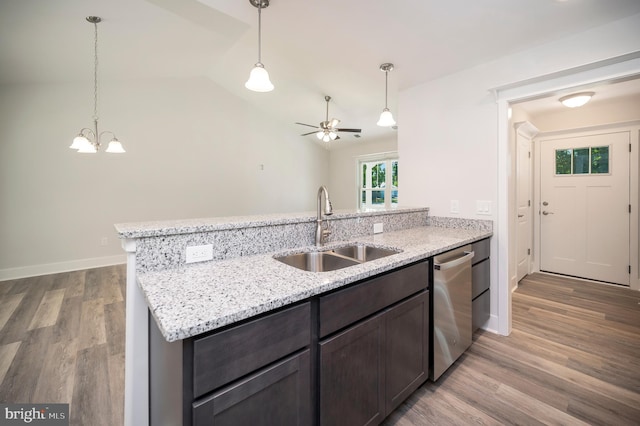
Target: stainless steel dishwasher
(451,297)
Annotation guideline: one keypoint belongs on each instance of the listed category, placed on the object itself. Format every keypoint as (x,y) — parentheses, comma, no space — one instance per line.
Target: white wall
(448,137)
(193,150)
(343,179)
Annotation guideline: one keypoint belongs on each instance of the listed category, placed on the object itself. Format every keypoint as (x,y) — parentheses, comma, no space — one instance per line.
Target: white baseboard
(54,268)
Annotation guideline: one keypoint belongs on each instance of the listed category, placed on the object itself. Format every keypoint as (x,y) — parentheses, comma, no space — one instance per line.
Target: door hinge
(629,269)
(529,203)
(530,153)
(629,147)
(629,208)
(529,252)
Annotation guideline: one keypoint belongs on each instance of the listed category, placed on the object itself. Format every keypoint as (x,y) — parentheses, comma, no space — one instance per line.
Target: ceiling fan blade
(308,125)
(310,133)
(348,130)
(333,123)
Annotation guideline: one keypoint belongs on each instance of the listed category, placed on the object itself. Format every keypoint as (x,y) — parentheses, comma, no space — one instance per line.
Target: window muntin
(582,161)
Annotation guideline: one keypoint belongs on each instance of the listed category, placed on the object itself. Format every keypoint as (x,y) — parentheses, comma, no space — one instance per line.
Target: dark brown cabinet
(348,357)
(276,395)
(480,281)
(369,368)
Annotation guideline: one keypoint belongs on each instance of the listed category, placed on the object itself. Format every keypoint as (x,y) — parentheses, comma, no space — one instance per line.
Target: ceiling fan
(327,130)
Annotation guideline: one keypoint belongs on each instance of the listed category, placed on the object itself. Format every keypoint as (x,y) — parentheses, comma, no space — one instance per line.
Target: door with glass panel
(584,206)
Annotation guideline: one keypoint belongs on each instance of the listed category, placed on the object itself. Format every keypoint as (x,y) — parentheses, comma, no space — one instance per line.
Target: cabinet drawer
(344,307)
(480,278)
(481,309)
(482,250)
(223,357)
(277,395)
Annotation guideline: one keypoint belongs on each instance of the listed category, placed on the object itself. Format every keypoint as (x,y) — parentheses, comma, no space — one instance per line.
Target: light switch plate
(483,207)
(199,253)
(377,228)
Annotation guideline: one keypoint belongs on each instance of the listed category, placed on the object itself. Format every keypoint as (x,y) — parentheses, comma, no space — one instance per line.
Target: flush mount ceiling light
(259,77)
(88,140)
(386,118)
(577,99)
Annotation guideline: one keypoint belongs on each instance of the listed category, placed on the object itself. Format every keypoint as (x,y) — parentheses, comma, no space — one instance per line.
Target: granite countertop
(189,300)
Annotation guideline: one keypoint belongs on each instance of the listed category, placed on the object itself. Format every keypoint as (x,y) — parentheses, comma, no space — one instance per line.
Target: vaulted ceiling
(310,48)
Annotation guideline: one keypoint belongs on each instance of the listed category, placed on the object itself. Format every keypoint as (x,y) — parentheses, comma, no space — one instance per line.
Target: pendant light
(386,118)
(259,77)
(88,140)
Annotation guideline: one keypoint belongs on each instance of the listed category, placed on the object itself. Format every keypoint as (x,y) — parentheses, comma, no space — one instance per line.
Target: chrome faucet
(322,231)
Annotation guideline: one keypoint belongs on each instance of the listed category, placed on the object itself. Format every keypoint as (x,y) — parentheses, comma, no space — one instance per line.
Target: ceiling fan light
(577,99)
(326,137)
(333,135)
(259,79)
(320,134)
(386,119)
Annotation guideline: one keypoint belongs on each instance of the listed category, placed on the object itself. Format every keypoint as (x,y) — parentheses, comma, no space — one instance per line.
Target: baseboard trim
(54,268)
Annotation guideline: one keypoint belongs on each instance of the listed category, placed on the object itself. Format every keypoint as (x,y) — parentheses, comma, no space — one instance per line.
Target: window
(378,181)
(582,161)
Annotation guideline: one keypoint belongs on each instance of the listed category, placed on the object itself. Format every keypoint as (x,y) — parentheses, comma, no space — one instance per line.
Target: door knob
(546,212)
(544,203)
(520,215)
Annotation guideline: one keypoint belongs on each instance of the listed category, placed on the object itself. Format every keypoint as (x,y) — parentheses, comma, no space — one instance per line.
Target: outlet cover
(377,228)
(199,253)
(455,206)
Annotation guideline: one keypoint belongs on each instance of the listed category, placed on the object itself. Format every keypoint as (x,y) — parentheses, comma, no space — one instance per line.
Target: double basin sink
(335,258)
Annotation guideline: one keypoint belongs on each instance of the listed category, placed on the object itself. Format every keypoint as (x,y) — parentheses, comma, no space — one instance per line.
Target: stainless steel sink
(335,258)
(364,252)
(317,261)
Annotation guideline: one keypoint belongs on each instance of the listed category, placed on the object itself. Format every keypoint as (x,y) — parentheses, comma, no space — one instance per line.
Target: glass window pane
(364,175)
(364,197)
(394,196)
(600,159)
(394,174)
(377,197)
(581,161)
(563,161)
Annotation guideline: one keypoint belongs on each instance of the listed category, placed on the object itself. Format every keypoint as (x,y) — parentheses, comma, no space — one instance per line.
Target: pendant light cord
(260,31)
(95,73)
(386,88)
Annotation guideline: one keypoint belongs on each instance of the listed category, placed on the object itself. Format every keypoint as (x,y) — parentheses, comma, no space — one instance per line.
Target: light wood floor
(62,340)
(573,356)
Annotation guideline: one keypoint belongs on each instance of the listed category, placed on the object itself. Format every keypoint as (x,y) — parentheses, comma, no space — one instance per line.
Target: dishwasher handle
(468,255)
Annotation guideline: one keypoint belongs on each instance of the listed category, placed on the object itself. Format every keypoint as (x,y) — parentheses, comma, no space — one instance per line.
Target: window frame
(385,157)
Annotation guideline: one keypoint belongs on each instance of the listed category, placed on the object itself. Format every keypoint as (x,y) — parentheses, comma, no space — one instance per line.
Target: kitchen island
(245,281)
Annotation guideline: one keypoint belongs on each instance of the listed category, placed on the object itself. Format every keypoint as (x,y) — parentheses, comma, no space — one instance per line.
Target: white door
(524,132)
(584,191)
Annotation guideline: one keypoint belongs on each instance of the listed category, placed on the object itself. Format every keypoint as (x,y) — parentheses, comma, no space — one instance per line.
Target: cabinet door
(352,376)
(278,395)
(407,349)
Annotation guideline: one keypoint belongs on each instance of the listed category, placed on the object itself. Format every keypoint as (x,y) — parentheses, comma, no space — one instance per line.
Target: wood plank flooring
(573,357)
(62,340)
